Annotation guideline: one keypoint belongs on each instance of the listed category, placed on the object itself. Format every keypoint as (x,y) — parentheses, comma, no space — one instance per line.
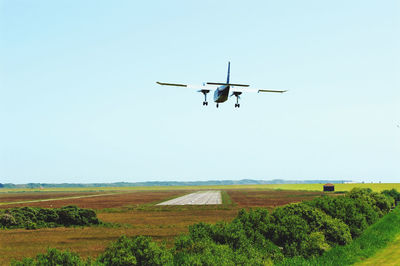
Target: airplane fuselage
(221,94)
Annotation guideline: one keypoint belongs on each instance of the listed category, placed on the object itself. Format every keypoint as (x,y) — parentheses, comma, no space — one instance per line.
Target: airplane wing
(244,89)
(196,87)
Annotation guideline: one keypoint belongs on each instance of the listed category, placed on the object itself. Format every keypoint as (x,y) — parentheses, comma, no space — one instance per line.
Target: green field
(312,187)
(387,256)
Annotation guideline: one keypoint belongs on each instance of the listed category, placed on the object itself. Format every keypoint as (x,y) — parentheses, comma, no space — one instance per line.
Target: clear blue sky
(79,102)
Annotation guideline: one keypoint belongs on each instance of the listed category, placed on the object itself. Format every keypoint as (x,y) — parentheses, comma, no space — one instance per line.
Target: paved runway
(198,198)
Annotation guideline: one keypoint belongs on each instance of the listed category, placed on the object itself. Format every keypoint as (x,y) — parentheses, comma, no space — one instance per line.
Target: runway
(197,198)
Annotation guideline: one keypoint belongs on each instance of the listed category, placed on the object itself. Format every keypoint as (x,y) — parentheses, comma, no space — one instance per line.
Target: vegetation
(33,218)
(392,193)
(53,257)
(389,255)
(139,250)
(306,233)
(358,209)
(372,239)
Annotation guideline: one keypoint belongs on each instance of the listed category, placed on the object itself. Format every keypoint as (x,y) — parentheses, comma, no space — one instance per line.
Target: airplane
(221,92)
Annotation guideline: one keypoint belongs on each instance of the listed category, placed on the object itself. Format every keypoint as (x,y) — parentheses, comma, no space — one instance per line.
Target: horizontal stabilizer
(227,84)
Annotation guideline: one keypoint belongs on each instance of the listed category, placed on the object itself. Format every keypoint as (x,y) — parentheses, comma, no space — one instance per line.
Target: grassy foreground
(387,256)
(377,187)
(374,239)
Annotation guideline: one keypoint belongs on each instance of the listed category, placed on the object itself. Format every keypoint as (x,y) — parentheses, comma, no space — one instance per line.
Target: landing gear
(237,104)
(217,105)
(205,103)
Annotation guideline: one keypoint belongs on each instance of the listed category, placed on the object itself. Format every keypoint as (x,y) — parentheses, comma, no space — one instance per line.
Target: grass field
(387,256)
(134,212)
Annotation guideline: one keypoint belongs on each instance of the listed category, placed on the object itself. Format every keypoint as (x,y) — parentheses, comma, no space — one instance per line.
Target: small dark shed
(329,187)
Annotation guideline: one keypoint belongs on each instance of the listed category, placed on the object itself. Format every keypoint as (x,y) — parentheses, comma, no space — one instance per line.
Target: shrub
(351,211)
(52,257)
(48,215)
(378,202)
(72,215)
(31,225)
(207,252)
(32,218)
(203,252)
(306,231)
(253,221)
(393,193)
(7,220)
(138,250)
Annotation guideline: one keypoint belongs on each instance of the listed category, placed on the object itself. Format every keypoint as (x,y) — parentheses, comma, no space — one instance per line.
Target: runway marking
(198,198)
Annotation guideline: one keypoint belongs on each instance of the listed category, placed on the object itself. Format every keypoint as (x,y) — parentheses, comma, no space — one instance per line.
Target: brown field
(99,200)
(136,214)
(269,198)
(15,197)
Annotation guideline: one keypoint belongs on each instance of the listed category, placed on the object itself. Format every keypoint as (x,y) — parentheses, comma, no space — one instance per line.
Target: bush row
(254,237)
(32,218)
(394,194)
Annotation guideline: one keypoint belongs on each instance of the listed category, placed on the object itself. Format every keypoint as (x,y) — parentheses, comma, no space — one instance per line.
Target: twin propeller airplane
(221,92)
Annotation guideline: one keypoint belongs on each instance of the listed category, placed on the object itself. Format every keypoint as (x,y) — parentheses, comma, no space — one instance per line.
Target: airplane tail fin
(229,70)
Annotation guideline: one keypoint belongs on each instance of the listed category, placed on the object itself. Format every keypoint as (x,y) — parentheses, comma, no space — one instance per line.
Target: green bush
(253,222)
(7,220)
(306,231)
(393,193)
(358,209)
(207,252)
(201,252)
(372,239)
(32,218)
(31,225)
(72,215)
(377,201)
(138,250)
(52,257)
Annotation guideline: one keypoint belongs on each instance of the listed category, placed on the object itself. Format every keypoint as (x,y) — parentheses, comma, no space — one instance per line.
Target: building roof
(329,185)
